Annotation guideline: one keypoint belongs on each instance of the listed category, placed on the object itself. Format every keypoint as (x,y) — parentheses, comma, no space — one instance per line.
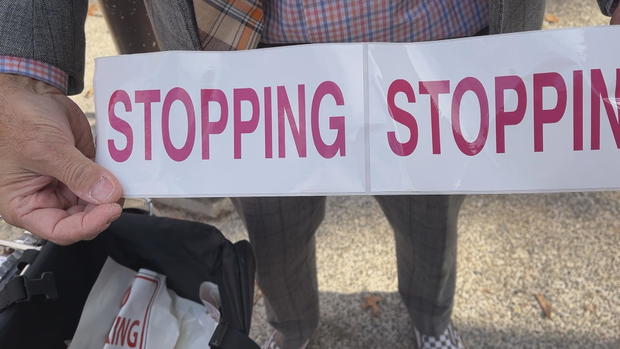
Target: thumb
(86,179)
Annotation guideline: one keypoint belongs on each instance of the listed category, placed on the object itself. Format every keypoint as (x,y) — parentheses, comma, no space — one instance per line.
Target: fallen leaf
(93,10)
(591,308)
(544,305)
(372,302)
(551,18)
(88,93)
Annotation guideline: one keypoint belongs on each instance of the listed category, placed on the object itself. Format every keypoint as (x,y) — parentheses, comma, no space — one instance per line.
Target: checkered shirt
(36,70)
(312,21)
(228,24)
(241,24)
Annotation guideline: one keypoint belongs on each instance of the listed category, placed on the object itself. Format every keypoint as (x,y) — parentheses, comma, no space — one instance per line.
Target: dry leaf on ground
(372,302)
(544,305)
(591,308)
(93,10)
(551,18)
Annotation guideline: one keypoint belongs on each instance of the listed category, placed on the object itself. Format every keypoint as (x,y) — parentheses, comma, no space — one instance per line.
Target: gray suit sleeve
(50,31)
(607,6)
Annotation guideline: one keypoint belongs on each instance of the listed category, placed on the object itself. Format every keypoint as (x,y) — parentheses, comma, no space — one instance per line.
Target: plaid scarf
(225,25)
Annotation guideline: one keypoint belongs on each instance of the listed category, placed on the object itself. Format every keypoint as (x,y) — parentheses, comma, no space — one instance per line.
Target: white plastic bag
(126,309)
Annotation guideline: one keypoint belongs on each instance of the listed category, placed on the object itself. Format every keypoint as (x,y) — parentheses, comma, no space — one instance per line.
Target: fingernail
(102,190)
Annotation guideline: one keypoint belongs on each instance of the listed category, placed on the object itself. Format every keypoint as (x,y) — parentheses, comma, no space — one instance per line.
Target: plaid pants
(282,232)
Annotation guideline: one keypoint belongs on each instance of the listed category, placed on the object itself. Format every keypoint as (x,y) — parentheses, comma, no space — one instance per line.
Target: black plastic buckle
(21,289)
(46,286)
(218,335)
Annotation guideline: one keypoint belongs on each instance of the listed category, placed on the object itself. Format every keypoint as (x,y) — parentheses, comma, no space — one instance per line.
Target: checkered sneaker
(225,25)
(449,339)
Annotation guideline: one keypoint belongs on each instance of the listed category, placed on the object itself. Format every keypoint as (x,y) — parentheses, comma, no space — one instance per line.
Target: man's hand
(49,183)
(615,17)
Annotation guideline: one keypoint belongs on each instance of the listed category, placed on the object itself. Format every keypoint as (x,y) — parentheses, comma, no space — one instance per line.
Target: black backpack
(42,307)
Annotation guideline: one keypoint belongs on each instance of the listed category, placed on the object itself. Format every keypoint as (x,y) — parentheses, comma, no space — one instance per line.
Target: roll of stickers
(126,309)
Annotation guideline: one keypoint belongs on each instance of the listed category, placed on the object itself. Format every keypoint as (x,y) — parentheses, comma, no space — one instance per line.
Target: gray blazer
(52,31)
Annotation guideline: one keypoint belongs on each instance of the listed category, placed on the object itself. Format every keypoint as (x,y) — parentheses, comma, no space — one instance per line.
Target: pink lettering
(599,92)
(547,116)
(578,110)
(120,125)
(402,117)
(212,127)
(147,97)
(298,131)
(474,85)
(434,89)
(240,126)
(336,123)
(268,124)
(503,117)
(178,154)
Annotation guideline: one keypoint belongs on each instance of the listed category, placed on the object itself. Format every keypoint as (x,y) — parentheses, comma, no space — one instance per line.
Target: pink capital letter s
(402,117)
(120,125)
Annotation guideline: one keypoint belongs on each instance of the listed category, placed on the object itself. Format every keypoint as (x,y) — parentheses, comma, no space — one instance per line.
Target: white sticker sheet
(523,112)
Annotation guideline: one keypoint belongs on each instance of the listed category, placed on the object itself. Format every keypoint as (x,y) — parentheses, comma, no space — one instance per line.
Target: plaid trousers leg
(282,232)
(425,234)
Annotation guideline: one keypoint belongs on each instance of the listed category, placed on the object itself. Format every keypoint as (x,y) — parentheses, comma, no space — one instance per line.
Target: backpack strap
(22,289)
